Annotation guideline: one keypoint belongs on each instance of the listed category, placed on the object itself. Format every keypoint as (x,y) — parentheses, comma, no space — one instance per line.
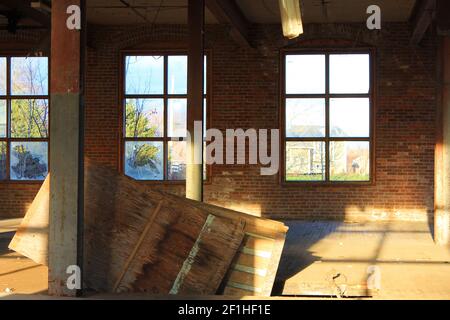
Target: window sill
(307,184)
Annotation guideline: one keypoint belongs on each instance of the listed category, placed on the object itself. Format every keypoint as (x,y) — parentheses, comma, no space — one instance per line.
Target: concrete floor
(18,275)
(411,265)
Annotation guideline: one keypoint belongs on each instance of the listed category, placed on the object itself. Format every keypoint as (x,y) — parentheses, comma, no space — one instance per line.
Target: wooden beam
(228,12)
(423,16)
(443,15)
(24,8)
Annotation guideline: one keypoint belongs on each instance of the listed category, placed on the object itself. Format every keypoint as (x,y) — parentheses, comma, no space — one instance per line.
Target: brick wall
(246,95)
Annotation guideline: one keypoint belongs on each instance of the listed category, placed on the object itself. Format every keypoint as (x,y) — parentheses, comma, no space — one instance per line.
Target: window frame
(9,97)
(165,96)
(327,139)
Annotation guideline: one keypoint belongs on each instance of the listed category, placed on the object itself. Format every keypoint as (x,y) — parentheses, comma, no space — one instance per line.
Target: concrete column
(442,161)
(65,148)
(194,172)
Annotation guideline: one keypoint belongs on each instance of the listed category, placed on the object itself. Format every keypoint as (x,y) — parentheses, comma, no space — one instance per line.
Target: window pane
(3,118)
(349,161)
(305,118)
(177,117)
(176,167)
(305,74)
(144,160)
(349,73)
(2,76)
(2,160)
(305,161)
(144,75)
(144,118)
(29,118)
(177,73)
(350,117)
(29,160)
(29,76)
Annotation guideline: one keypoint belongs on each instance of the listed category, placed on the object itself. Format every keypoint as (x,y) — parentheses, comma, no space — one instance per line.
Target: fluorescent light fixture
(41,6)
(291,18)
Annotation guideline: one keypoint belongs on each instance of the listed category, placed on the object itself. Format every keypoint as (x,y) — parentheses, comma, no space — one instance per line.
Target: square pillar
(442,155)
(194,172)
(66,159)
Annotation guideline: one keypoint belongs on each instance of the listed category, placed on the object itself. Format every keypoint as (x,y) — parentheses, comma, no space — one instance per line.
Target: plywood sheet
(255,265)
(142,240)
(31,239)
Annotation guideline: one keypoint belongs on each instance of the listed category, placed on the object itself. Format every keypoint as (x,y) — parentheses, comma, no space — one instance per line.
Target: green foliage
(305,177)
(28,167)
(137,124)
(144,155)
(350,177)
(29,119)
(2,160)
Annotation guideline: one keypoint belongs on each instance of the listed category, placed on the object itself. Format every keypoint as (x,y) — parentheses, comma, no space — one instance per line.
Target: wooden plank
(424,15)
(210,258)
(253,225)
(140,239)
(138,245)
(239,291)
(31,239)
(258,244)
(251,260)
(117,212)
(247,279)
(265,239)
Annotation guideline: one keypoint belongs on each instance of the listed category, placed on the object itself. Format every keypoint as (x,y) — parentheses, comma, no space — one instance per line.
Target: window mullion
(165,129)
(327,117)
(8,117)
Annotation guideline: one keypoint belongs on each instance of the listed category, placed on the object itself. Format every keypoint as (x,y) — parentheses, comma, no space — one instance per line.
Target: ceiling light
(291,18)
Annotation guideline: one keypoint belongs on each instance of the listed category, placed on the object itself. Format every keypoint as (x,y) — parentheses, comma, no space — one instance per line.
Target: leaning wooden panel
(131,232)
(210,258)
(139,240)
(31,239)
(259,255)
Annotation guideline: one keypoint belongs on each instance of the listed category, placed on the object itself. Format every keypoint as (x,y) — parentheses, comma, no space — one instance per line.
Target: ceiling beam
(423,16)
(228,12)
(25,9)
(443,15)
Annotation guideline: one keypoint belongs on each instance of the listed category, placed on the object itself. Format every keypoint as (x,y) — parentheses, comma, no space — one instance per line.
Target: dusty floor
(410,265)
(18,275)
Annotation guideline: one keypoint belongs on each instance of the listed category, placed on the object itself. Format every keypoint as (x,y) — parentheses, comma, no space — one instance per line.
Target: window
(155,116)
(327,114)
(24,118)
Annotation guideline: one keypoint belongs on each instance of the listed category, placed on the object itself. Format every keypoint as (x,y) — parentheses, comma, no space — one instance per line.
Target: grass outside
(335,177)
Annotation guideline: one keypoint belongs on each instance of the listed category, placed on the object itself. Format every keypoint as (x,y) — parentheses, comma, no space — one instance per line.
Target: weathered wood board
(254,267)
(31,239)
(143,240)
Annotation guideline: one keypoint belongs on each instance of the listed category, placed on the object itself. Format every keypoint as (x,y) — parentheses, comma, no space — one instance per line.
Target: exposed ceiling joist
(228,12)
(443,15)
(424,14)
(24,8)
